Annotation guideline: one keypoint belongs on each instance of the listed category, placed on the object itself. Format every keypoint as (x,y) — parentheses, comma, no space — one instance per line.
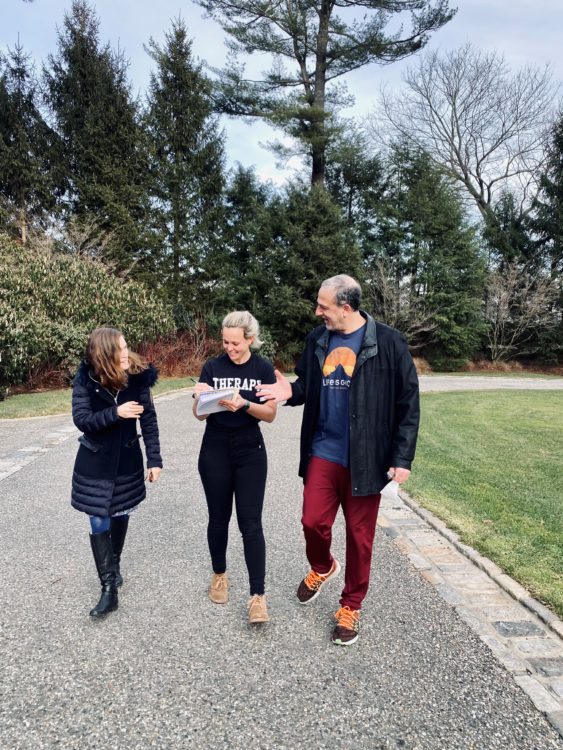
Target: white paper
(391,491)
(208,401)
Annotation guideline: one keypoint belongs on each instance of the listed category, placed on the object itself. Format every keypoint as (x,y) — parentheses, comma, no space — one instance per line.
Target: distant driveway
(483,383)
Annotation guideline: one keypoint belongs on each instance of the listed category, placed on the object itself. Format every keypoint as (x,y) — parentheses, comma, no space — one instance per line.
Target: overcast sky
(526,31)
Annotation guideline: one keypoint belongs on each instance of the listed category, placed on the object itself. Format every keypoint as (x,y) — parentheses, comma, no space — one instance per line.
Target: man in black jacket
(359,386)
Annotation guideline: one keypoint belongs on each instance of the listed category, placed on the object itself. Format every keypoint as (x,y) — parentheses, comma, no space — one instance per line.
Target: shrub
(49,303)
(268,348)
(422,365)
(182,355)
(185,353)
(444,363)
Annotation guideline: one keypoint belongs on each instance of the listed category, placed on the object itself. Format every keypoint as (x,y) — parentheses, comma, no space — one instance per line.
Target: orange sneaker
(310,587)
(347,628)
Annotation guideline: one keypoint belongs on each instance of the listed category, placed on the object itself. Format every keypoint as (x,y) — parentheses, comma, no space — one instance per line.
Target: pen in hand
(203,387)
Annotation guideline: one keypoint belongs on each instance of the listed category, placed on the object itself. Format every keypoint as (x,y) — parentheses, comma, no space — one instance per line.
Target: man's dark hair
(347,291)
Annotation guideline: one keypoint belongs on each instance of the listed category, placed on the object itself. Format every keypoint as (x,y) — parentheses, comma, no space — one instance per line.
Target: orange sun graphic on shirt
(340,356)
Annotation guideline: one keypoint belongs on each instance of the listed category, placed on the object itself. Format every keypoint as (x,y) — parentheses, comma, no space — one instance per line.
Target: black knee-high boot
(105,564)
(118,531)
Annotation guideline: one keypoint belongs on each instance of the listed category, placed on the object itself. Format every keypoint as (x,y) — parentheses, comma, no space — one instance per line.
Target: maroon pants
(327,486)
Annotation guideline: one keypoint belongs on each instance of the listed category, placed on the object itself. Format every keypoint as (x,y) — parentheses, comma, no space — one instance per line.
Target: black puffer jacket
(108,472)
(384,405)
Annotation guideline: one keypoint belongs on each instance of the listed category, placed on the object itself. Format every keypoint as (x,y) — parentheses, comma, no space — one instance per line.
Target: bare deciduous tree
(517,306)
(397,303)
(80,237)
(486,126)
(85,237)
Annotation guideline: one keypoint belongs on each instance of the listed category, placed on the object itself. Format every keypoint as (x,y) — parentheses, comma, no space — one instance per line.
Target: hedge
(50,302)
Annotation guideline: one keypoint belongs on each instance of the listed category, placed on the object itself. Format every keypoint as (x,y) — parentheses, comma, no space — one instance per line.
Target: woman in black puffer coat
(111,390)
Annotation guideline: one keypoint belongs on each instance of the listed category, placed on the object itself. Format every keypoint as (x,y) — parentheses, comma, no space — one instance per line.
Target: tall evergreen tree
(356,179)
(97,120)
(424,235)
(279,246)
(29,149)
(547,225)
(506,232)
(321,41)
(186,169)
(253,226)
(548,206)
(313,243)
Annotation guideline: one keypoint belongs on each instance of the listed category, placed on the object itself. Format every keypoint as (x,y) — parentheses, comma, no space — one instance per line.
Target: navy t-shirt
(222,372)
(332,438)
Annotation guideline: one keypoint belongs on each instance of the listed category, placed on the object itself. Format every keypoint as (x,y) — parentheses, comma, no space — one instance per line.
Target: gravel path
(19,433)
(170,670)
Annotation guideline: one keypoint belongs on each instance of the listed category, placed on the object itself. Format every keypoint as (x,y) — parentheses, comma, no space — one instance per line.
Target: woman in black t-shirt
(232,460)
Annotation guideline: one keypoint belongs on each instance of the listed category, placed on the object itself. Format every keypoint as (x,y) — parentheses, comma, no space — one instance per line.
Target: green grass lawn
(172,384)
(36,404)
(58,402)
(490,465)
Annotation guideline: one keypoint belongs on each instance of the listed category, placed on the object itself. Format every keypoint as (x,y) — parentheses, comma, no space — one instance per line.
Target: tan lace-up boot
(219,588)
(257,609)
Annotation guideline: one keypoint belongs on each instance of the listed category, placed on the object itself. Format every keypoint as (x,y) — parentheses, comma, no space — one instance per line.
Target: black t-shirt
(221,372)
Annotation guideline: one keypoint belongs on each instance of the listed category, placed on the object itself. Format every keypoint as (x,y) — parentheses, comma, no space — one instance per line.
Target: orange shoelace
(348,618)
(220,582)
(313,580)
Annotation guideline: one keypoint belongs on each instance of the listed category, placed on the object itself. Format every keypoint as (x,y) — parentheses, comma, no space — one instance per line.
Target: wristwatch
(246,407)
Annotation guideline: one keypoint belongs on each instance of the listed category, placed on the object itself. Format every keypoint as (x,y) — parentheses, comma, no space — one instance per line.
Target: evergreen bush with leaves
(268,348)
(49,303)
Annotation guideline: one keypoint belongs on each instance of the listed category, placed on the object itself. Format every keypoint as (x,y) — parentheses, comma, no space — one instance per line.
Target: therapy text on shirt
(248,384)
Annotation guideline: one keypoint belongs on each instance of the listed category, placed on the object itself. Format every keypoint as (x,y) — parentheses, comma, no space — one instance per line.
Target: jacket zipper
(105,389)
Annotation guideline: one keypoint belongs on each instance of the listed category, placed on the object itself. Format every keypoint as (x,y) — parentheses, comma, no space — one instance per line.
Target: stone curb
(534,659)
(514,589)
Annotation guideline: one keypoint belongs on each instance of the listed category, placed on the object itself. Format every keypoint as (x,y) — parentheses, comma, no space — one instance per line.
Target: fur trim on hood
(149,376)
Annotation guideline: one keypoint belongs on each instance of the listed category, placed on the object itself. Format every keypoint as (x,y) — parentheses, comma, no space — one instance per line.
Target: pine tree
(548,206)
(314,242)
(321,41)
(253,224)
(429,245)
(97,120)
(547,225)
(355,177)
(29,149)
(186,171)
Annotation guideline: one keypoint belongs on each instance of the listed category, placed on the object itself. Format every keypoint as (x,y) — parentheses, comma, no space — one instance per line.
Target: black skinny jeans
(234,462)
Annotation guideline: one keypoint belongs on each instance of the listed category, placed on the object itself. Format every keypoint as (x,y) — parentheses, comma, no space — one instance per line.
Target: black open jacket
(384,406)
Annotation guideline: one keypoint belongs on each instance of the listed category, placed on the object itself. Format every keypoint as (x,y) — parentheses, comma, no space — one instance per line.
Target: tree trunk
(176,250)
(318,115)
(319,164)
(23,225)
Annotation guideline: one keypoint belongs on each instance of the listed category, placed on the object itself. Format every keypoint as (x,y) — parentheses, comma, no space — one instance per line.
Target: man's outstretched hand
(278,391)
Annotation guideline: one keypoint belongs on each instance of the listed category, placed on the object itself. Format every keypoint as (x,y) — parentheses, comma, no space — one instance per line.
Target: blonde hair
(245,320)
(103,353)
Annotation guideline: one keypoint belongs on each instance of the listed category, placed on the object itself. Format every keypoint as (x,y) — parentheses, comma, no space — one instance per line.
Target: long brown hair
(103,353)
